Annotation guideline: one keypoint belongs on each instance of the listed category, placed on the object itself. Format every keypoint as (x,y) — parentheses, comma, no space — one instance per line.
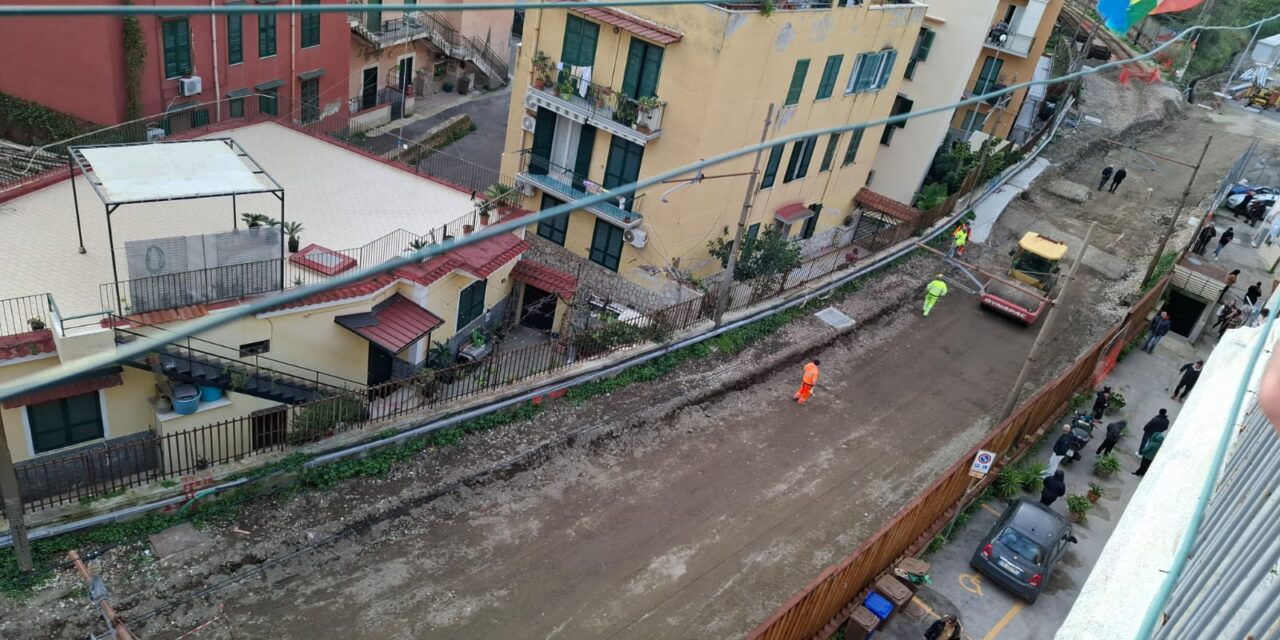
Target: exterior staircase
(433,27)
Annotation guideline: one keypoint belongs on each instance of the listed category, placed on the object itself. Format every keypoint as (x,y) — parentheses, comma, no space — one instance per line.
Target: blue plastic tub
(186,399)
(209,394)
(878,605)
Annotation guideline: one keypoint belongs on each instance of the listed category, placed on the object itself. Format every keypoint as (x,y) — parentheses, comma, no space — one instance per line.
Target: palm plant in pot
(254,220)
(294,229)
(1095,491)
(1078,506)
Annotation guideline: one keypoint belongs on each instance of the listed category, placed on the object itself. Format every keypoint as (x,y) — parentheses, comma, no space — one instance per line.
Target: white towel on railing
(584,74)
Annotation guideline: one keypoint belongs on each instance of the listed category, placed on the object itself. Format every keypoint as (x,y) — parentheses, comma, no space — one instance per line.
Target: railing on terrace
(606,103)
(1013,43)
(26,313)
(201,286)
(803,6)
(386,95)
(566,184)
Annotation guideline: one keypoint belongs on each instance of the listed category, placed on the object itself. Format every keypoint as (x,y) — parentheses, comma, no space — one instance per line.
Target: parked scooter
(1082,427)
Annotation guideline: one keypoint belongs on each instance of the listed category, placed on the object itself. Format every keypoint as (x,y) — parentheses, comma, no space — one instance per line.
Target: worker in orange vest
(806,383)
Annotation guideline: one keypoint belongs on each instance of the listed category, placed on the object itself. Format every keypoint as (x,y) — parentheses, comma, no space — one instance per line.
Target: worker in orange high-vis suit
(806,383)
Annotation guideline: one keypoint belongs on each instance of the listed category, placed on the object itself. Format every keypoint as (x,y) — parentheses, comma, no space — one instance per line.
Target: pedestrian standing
(1148,453)
(944,628)
(1118,178)
(1156,330)
(959,238)
(1234,319)
(1231,281)
(1190,373)
(1253,294)
(807,382)
(1158,424)
(1061,447)
(1202,241)
(1224,240)
(1244,204)
(1115,431)
(1100,402)
(1106,175)
(1055,487)
(1224,314)
(932,292)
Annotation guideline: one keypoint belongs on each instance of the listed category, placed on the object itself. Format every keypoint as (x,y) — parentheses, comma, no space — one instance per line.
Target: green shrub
(1107,466)
(1031,476)
(1008,483)
(1079,506)
(323,417)
(1115,403)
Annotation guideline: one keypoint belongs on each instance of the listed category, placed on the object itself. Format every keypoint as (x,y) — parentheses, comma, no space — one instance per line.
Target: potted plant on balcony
(541,70)
(649,118)
(625,112)
(603,96)
(36,324)
(565,87)
(294,229)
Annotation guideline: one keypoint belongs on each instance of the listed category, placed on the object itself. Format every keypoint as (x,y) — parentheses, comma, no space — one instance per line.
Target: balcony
(639,121)
(1001,40)
(386,33)
(566,185)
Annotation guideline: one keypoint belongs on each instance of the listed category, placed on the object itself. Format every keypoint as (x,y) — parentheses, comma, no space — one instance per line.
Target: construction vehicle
(1023,305)
(1035,261)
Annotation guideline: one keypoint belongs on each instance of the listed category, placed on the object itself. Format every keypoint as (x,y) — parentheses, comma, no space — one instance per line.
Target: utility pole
(1173,224)
(1046,328)
(13,505)
(726,287)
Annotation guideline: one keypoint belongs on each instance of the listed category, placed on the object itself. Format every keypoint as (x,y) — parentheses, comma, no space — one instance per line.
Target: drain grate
(835,318)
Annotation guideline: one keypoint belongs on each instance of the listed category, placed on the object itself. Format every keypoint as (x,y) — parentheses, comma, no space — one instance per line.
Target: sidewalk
(985,609)
(479,105)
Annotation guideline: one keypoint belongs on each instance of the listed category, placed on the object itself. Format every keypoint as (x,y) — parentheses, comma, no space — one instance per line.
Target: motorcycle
(1082,427)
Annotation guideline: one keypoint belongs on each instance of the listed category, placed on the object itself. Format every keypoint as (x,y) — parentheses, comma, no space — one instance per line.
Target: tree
(770,254)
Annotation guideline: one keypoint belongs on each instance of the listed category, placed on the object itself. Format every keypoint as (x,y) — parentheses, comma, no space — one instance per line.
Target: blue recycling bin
(879,606)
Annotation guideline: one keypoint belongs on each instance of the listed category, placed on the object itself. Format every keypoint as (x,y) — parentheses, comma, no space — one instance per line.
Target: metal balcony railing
(1019,45)
(560,181)
(203,286)
(27,313)
(599,101)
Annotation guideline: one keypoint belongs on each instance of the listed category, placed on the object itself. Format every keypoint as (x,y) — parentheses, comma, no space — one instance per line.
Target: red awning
(794,212)
(67,389)
(545,278)
(30,343)
(633,24)
(394,324)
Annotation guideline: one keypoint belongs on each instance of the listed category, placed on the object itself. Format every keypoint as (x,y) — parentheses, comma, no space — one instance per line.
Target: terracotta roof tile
(22,345)
(885,204)
(394,324)
(631,23)
(545,278)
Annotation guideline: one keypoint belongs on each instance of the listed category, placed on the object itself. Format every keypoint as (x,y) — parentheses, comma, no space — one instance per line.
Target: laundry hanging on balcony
(1120,15)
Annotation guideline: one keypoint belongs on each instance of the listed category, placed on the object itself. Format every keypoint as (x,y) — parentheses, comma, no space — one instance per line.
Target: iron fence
(26,313)
(201,286)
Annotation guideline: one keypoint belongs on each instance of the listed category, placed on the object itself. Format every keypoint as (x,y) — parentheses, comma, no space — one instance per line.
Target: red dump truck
(1018,303)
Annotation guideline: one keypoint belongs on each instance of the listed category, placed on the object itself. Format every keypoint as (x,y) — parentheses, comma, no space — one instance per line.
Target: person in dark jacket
(1106,175)
(1224,240)
(1156,330)
(1061,447)
(1253,294)
(1100,402)
(1190,373)
(1115,431)
(1148,453)
(1054,487)
(1158,424)
(944,628)
(1117,179)
(1202,241)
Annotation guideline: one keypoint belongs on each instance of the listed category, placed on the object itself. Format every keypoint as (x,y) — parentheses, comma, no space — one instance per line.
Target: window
(310,27)
(235,38)
(553,229)
(829,155)
(62,423)
(797,82)
(920,53)
(644,64)
(623,167)
(851,153)
(177,48)
(973,120)
(798,164)
(267,102)
(311,100)
(237,107)
(901,105)
(579,47)
(771,167)
(871,71)
(989,76)
(471,303)
(810,223)
(749,240)
(606,245)
(266,35)
(828,82)
(255,348)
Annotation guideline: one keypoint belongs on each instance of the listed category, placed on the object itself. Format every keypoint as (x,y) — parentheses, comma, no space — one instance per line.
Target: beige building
(952,37)
(1011,54)
(603,96)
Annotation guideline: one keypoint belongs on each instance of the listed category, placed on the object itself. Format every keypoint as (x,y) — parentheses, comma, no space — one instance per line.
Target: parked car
(1244,187)
(1234,201)
(1022,548)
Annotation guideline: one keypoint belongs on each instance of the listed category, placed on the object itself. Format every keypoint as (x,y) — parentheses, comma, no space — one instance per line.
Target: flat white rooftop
(171,171)
(343,199)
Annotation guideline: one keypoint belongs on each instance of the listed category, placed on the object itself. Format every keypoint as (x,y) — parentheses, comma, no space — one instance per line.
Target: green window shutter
(829,155)
(580,37)
(749,240)
(373,19)
(553,229)
(544,134)
(235,38)
(644,65)
(829,74)
(797,82)
(925,44)
(310,26)
(989,75)
(237,107)
(810,224)
(65,422)
(851,153)
(623,167)
(771,167)
(806,156)
(582,163)
(266,35)
(867,72)
(177,47)
(606,245)
(471,303)
(267,102)
(886,69)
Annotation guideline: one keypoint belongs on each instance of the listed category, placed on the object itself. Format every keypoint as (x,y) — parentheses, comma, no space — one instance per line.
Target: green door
(374,18)
(544,134)
(582,164)
(644,64)
(623,167)
(606,245)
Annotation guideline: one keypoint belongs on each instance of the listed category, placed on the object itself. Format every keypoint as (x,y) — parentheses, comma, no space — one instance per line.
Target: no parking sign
(982,464)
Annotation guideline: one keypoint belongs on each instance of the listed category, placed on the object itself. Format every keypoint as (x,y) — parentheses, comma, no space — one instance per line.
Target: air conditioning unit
(154,133)
(528,123)
(189,86)
(530,103)
(637,237)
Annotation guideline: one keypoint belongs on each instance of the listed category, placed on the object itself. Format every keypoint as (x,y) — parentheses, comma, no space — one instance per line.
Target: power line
(142,346)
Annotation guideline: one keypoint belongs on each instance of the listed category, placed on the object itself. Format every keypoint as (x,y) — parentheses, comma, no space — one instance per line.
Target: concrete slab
(176,539)
(1068,190)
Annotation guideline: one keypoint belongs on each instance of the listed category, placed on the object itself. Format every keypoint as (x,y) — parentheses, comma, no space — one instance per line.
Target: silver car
(1022,548)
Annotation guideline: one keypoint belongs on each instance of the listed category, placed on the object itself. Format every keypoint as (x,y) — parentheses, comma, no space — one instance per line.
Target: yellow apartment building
(1011,54)
(603,96)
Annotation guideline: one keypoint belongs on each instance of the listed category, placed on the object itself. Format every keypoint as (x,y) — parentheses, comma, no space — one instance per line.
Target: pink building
(200,69)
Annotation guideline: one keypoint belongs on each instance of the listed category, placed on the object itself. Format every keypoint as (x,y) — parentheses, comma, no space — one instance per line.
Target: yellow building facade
(605,96)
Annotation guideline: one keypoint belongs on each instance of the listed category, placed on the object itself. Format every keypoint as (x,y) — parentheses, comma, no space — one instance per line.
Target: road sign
(982,464)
